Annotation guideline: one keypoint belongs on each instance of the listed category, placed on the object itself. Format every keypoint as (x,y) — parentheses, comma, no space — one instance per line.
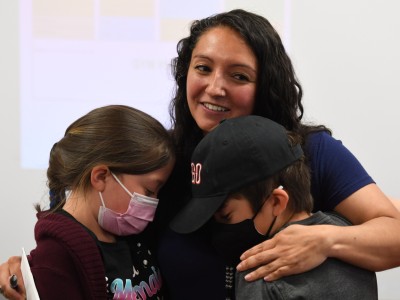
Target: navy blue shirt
(335,172)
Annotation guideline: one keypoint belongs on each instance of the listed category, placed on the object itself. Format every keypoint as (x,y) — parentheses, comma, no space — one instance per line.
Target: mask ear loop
(266,198)
(274,220)
(120,183)
(270,227)
(101,199)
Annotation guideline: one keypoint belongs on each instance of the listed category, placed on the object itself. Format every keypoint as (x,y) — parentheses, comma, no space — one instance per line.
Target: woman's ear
(279,201)
(98,177)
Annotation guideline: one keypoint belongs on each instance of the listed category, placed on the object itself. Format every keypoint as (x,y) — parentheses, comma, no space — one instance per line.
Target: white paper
(29,282)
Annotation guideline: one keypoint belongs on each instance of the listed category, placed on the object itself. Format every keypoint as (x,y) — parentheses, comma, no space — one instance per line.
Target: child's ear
(98,177)
(279,200)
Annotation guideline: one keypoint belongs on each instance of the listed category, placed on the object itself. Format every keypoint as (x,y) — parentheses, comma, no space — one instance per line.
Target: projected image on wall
(77,55)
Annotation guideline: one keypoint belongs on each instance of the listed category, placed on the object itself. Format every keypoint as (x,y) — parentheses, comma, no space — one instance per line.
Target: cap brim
(196,213)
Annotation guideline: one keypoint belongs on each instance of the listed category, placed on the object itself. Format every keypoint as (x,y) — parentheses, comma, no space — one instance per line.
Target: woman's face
(222,76)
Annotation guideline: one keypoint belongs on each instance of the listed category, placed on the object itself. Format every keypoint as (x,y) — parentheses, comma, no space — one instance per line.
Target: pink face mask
(140,212)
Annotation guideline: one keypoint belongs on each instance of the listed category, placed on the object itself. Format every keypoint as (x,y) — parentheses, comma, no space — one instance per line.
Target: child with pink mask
(104,176)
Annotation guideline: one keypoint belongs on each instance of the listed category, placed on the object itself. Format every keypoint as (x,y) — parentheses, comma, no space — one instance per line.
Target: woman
(234,64)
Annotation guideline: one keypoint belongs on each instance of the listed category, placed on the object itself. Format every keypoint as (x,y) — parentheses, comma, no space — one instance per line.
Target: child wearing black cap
(250,179)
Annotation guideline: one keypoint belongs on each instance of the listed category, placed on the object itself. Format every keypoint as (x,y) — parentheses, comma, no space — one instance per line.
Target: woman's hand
(294,250)
(7,269)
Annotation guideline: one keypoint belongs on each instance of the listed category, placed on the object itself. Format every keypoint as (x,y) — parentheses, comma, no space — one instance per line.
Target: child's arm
(7,269)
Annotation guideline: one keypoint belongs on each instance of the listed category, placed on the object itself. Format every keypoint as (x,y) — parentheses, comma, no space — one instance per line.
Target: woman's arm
(376,239)
(396,203)
(372,243)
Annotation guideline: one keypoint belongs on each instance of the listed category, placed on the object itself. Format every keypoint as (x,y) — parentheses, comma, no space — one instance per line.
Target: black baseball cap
(238,152)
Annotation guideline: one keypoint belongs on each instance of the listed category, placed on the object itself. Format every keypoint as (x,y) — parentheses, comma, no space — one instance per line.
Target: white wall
(346,57)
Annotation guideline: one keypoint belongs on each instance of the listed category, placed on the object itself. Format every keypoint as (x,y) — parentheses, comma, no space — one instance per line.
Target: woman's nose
(216,86)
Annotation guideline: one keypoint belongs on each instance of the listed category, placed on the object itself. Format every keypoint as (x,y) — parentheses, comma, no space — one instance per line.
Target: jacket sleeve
(55,273)
(66,264)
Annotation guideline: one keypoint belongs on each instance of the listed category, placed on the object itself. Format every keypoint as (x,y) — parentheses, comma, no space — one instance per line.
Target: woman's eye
(202,68)
(241,77)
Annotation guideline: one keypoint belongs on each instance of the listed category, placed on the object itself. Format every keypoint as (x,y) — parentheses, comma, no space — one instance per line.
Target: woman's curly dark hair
(278,92)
